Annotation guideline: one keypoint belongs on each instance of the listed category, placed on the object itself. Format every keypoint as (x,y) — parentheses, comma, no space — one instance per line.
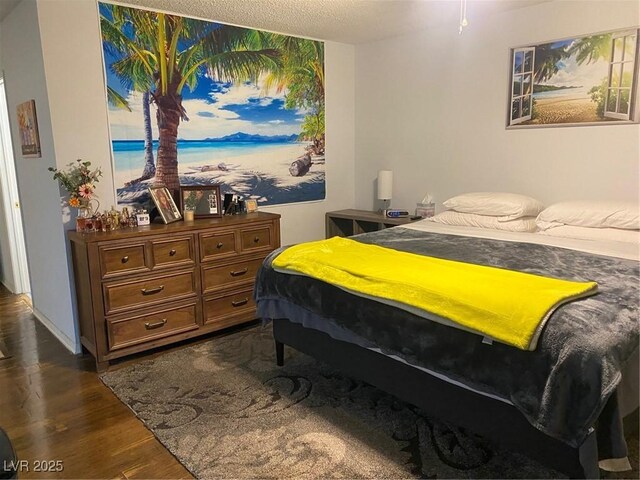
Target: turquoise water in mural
(258,170)
(129,155)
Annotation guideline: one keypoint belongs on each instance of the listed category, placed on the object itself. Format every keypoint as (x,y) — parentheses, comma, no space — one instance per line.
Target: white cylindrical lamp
(385,187)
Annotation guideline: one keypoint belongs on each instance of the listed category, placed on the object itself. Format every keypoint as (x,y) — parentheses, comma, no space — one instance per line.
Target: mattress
(626,250)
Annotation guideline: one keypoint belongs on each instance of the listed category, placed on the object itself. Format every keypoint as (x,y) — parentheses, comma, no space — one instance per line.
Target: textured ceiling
(346,21)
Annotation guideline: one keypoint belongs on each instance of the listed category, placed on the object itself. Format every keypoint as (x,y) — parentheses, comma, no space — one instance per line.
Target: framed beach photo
(204,200)
(582,80)
(165,204)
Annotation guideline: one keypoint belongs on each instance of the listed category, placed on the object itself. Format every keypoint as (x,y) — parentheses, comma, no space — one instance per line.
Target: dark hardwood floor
(54,408)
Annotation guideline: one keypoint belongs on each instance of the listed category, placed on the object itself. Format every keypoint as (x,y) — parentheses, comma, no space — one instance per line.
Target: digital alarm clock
(394,213)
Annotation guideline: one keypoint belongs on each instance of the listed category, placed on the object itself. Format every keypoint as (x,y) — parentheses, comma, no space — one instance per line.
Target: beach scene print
(574,81)
(193,102)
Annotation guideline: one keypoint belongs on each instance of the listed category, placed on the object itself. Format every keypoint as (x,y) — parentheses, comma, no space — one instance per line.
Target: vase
(84,217)
(189,215)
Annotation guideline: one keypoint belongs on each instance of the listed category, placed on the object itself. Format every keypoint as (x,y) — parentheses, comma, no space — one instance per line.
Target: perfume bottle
(124,217)
(97,222)
(106,222)
(114,218)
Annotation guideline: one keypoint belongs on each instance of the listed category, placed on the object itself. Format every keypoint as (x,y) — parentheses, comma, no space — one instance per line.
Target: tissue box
(425,210)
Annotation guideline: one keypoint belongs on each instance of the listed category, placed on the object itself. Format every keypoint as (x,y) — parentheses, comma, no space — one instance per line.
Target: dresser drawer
(257,239)
(217,245)
(131,331)
(126,295)
(237,304)
(123,259)
(174,252)
(231,275)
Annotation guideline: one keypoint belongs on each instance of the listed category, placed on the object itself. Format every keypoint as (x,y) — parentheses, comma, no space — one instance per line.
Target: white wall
(45,240)
(51,51)
(72,53)
(432,105)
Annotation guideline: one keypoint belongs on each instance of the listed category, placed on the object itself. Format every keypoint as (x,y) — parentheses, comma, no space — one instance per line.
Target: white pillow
(507,205)
(524,224)
(591,214)
(590,233)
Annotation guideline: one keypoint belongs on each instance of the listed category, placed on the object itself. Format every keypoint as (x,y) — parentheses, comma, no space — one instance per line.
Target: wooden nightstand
(344,223)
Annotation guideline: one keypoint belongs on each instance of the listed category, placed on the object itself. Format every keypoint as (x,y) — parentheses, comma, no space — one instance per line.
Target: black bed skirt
(481,414)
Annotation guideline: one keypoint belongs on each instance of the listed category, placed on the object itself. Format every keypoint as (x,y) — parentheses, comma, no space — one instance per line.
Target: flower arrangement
(79,181)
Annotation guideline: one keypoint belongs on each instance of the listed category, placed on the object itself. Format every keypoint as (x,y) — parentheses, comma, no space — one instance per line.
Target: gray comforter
(561,387)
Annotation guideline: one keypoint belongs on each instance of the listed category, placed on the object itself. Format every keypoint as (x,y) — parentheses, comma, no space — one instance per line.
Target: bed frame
(488,417)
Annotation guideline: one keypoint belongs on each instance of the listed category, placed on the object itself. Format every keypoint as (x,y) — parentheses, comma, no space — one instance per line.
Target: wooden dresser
(139,288)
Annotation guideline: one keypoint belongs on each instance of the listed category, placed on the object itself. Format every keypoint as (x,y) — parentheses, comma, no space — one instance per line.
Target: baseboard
(70,344)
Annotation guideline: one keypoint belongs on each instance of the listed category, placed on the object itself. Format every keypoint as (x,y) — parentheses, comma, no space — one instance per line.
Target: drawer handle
(172,252)
(219,245)
(239,303)
(237,273)
(125,259)
(151,326)
(151,291)
(256,239)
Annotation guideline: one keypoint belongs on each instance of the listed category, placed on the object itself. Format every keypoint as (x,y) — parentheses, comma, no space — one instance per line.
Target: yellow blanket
(505,305)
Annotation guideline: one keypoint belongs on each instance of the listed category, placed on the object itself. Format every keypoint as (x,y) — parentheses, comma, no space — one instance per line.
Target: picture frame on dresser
(204,200)
(252,205)
(165,204)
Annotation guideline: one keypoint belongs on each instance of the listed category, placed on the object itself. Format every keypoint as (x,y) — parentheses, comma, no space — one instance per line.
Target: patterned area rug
(225,410)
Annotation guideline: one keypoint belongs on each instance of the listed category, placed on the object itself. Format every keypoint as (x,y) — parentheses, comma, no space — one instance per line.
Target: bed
(562,404)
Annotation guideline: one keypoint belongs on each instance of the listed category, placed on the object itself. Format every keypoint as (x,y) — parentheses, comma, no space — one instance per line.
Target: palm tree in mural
(163,54)
(591,49)
(546,61)
(301,71)
(586,49)
(119,101)
(149,164)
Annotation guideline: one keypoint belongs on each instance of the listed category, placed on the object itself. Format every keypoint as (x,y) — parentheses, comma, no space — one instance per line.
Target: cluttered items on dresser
(110,220)
(235,205)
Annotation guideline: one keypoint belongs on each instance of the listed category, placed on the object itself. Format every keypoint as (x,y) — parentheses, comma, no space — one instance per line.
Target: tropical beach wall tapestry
(581,80)
(194,102)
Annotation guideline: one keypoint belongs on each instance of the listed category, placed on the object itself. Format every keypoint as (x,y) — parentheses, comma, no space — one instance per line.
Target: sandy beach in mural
(259,172)
(564,109)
